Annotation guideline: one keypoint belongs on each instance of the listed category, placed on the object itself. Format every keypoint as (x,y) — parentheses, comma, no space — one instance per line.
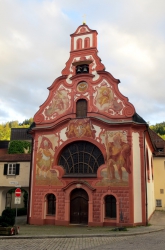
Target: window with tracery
(81,158)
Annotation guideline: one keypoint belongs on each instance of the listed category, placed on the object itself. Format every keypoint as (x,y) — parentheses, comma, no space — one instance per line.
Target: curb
(119,234)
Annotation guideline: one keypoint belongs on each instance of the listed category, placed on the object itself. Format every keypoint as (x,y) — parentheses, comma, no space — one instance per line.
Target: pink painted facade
(89,145)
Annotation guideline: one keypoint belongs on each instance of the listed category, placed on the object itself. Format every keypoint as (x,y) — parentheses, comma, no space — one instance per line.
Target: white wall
(137,179)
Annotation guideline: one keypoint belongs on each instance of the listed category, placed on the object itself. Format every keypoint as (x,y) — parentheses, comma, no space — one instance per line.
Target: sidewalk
(48,231)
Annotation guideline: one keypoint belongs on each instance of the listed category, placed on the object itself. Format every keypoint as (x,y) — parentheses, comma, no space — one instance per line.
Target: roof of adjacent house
(4,144)
(158,143)
(20,134)
(15,157)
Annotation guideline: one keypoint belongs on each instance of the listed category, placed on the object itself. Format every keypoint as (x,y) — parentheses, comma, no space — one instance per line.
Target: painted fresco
(117,168)
(45,172)
(79,128)
(105,99)
(59,104)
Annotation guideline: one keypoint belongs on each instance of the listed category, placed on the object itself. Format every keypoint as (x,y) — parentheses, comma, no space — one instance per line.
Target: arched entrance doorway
(79,206)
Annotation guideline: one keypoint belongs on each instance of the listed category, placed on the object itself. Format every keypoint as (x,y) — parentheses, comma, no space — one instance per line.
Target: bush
(20,211)
(17,147)
(7,218)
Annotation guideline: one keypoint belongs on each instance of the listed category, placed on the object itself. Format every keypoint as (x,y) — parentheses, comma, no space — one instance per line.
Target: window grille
(81,158)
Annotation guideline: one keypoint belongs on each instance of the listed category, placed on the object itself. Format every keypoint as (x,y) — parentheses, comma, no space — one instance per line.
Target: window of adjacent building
(11,169)
(81,108)
(110,206)
(51,204)
(158,203)
(161,191)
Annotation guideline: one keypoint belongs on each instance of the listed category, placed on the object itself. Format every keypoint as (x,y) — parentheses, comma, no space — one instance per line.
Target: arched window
(81,158)
(87,42)
(79,43)
(81,108)
(51,204)
(110,206)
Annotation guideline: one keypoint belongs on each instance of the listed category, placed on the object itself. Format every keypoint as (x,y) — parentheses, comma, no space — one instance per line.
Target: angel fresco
(58,105)
(118,153)
(79,128)
(105,96)
(107,101)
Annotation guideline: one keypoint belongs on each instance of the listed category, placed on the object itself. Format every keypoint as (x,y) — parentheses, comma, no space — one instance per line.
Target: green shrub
(17,147)
(20,211)
(7,218)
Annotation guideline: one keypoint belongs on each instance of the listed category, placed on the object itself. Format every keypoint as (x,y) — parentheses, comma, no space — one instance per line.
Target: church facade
(92,153)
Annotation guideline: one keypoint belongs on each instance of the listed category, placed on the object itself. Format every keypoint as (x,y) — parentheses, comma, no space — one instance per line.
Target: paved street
(150,241)
(71,238)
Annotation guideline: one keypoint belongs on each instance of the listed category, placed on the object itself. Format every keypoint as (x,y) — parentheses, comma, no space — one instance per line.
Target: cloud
(35,45)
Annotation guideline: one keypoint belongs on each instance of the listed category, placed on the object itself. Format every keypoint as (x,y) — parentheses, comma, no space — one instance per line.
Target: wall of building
(137,191)
(7,183)
(159,180)
(22,178)
(150,182)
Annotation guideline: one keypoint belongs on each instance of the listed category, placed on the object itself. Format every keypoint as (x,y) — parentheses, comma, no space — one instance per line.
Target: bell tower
(83,55)
(83,38)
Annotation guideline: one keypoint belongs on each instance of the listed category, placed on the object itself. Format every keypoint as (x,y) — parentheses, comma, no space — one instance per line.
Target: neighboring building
(159,170)
(92,153)
(14,171)
(4,147)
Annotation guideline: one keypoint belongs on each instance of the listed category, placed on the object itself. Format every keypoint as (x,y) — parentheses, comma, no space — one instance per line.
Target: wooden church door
(79,207)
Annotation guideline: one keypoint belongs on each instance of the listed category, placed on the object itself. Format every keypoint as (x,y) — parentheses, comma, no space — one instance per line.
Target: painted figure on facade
(118,153)
(45,157)
(106,100)
(46,171)
(79,128)
(118,165)
(58,105)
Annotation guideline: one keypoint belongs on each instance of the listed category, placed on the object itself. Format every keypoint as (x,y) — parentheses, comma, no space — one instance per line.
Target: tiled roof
(138,118)
(19,134)
(15,157)
(158,142)
(4,144)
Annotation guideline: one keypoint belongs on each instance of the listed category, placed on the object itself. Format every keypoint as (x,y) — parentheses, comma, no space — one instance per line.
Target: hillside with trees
(5,128)
(159,128)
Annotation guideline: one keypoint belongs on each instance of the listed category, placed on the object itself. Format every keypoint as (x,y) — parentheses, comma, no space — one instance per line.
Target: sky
(35,45)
